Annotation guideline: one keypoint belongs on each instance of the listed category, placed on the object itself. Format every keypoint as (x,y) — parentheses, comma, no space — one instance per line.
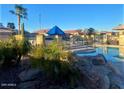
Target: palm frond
(20,11)
(11,11)
(18,6)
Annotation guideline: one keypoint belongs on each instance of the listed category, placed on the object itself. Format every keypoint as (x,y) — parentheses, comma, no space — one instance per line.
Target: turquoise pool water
(111,54)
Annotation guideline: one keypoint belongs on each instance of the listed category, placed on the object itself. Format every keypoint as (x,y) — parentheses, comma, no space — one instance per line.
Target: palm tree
(20,12)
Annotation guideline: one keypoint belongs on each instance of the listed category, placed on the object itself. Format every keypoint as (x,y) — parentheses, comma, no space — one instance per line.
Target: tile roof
(42,31)
(6,30)
(73,31)
(120,27)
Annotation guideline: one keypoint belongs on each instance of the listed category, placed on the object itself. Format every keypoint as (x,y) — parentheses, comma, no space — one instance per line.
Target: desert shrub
(23,47)
(12,50)
(38,52)
(58,71)
(1,52)
(37,55)
(7,51)
(66,56)
(61,72)
(52,51)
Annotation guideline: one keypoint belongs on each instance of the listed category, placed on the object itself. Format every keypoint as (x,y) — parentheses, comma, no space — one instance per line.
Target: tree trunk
(18,24)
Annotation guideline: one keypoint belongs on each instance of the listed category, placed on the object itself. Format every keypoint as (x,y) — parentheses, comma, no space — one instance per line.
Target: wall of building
(121,37)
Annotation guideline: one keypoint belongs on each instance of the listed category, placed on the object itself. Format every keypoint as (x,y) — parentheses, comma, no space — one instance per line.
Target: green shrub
(12,50)
(23,47)
(7,51)
(57,71)
(38,52)
(52,51)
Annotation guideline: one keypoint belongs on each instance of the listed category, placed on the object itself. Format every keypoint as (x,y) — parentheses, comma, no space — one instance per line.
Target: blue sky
(73,16)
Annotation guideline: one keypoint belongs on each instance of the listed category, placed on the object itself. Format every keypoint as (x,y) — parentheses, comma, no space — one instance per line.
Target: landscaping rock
(116,81)
(100,74)
(93,76)
(32,78)
(93,79)
(9,77)
(102,69)
(104,82)
(80,87)
(29,85)
(99,60)
(30,74)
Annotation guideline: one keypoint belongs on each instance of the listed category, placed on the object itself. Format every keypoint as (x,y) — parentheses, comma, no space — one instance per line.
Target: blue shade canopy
(55,31)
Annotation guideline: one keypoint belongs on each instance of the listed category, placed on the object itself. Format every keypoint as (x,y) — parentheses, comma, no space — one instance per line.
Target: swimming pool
(111,54)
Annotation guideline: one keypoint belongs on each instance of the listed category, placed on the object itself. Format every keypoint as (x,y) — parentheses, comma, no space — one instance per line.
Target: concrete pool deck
(96,45)
(105,45)
(81,49)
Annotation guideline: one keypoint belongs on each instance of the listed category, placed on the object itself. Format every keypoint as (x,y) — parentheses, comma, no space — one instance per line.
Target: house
(69,32)
(5,33)
(74,32)
(42,31)
(111,38)
(120,29)
(48,38)
(108,37)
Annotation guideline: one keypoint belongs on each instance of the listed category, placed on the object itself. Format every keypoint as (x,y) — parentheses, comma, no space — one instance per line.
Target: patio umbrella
(56,31)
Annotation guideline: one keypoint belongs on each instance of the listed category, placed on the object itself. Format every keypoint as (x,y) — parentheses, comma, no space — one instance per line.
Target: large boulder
(32,78)
(117,82)
(96,72)
(96,81)
(29,85)
(93,76)
(99,60)
(116,76)
(30,74)
(35,84)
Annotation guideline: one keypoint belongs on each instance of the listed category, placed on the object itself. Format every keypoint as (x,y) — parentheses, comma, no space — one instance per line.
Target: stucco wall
(121,37)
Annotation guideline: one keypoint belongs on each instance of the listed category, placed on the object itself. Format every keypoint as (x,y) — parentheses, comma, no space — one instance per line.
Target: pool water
(111,54)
